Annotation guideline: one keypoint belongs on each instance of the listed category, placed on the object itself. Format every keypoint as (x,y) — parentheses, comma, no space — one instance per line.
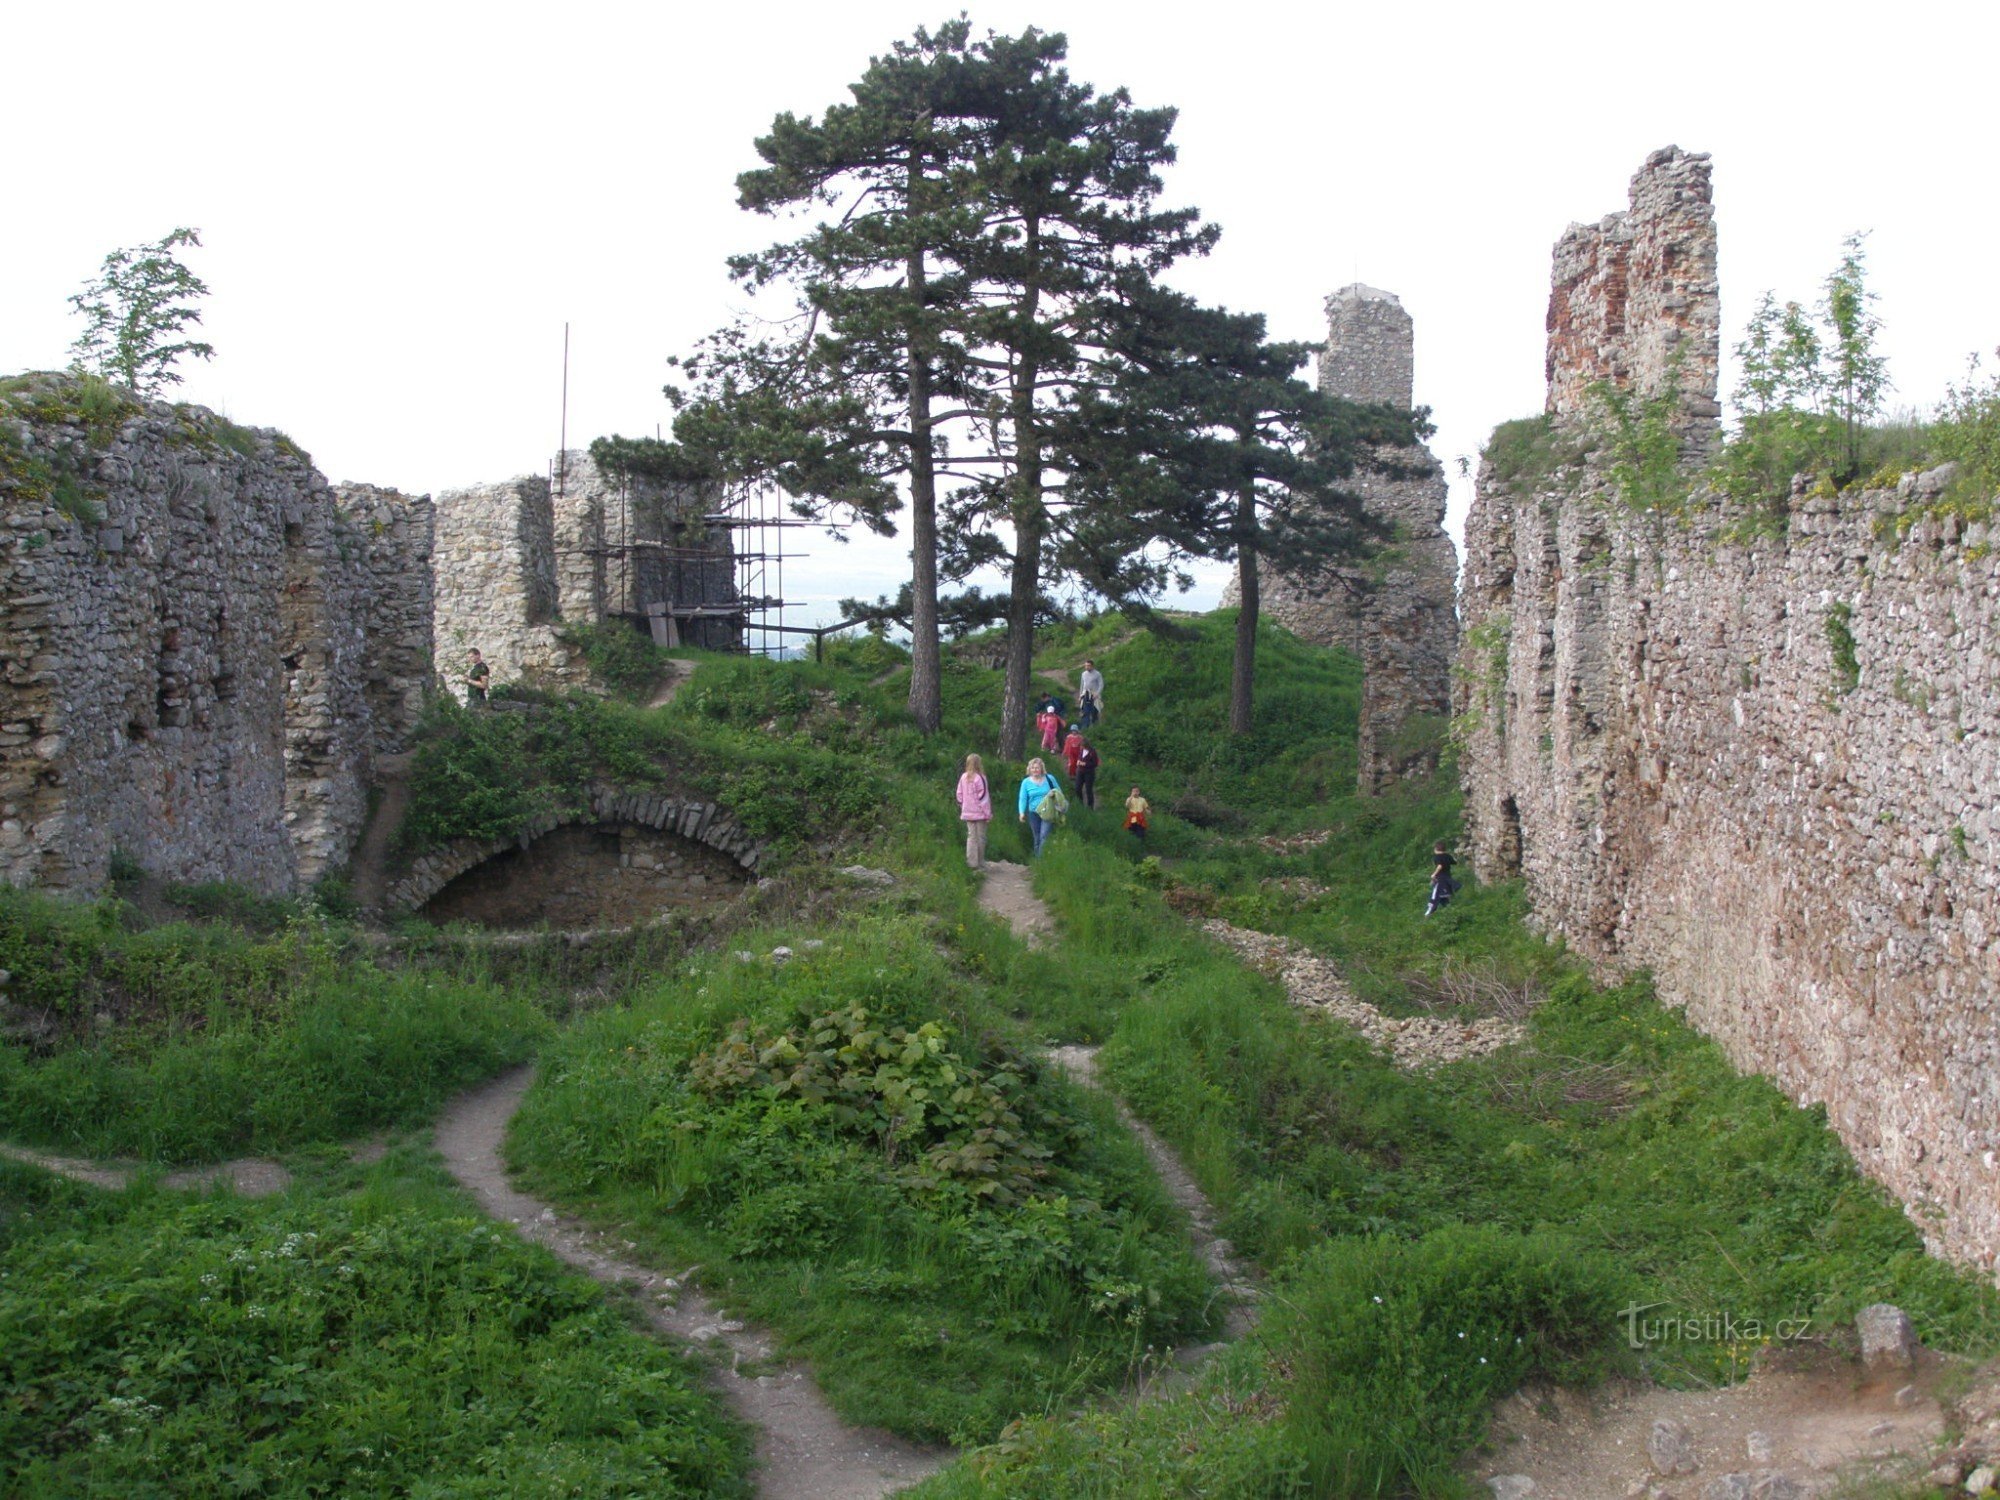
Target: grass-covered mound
(859,1155)
(188,1042)
(380,1340)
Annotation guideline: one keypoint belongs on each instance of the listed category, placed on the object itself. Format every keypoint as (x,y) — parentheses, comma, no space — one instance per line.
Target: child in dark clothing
(1442,885)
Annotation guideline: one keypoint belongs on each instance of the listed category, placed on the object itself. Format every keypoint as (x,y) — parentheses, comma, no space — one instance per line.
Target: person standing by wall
(1090,688)
(478,677)
(975,810)
(1035,789)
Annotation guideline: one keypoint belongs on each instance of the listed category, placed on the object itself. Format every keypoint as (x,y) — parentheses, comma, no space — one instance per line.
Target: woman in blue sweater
(1035,786)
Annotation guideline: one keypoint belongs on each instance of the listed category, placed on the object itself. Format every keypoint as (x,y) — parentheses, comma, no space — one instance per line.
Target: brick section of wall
(1634,301)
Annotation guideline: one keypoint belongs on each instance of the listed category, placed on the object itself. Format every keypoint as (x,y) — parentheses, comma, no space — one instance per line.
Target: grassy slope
(365,1334)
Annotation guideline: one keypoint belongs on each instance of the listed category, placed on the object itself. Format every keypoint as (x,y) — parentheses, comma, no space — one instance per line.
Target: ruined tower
(1397,610)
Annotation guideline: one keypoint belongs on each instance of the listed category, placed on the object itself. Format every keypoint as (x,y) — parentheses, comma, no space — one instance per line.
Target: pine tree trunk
(1025,577)
(1243,667)
(926,666)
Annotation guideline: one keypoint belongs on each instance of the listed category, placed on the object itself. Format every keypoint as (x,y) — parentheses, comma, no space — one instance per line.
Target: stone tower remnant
(518,561)
(1759,765)
(1397,611)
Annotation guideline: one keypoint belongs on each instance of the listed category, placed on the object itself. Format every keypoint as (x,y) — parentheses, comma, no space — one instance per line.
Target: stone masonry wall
(1764,769)
(186,620)
(1397,613)
(495,577)
(393,535)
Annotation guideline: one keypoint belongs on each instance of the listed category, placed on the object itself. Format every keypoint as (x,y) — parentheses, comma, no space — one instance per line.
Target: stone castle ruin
(1762,766)
(1397,612)
(520,560)
(207,650)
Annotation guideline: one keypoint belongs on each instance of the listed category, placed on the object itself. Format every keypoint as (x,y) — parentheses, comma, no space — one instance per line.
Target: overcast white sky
(403,203)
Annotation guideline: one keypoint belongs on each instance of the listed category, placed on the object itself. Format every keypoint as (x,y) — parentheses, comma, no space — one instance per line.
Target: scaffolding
(691,564)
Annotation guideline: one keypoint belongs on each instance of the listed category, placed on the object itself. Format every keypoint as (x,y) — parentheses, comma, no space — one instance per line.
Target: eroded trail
(804,1451)
(253,1177)
(1009,894)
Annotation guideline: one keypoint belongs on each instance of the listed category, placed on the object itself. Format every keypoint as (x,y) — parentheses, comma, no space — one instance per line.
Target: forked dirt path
(804,1451)
(664,694)
(1008,893)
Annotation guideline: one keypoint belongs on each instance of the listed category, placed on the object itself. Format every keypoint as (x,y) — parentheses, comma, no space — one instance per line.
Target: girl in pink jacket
(975,810)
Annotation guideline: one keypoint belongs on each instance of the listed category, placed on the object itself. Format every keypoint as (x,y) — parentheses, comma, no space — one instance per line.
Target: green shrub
(186,1043)
(620,657)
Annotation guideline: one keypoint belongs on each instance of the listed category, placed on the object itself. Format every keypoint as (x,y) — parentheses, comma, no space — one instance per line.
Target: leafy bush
(620,657)
(376,1345)
(900,1089)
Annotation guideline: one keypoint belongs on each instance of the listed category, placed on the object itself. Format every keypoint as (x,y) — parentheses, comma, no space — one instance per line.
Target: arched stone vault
(690,817)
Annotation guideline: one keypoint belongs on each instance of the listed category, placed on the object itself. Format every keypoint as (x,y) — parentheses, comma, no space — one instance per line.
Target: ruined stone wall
(187,622)
(496,583)
(1633,302)
(1398,613)
(517,562)
(1764,769)
(392,535)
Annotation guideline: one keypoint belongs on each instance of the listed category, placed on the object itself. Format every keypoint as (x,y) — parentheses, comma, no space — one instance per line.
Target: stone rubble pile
(1314,984)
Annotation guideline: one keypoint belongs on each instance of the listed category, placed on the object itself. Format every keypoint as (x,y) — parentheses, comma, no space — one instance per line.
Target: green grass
(366,1335)
(186,1043)
(943,1272)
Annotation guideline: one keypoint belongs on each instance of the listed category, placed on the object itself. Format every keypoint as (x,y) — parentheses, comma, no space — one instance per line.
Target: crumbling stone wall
(495,581)
(1398,613)
(516,562)
(1633,303)
(393,534)
(1761,767)
(187,617)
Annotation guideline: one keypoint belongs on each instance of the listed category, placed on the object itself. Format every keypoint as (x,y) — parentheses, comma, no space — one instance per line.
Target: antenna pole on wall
(562,442)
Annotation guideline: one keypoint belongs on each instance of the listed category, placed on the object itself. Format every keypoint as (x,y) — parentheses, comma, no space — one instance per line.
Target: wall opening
(1507,849)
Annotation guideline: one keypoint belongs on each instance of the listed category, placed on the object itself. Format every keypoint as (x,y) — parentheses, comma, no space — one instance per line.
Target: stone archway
(692,818)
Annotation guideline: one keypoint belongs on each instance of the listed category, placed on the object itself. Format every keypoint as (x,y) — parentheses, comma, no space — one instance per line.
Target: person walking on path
(975,810)
(1137,809)
(1443,887)
(478,677)
(1090,690)
(1035,789)
(1050,724)
(1072,747)
(1083,773)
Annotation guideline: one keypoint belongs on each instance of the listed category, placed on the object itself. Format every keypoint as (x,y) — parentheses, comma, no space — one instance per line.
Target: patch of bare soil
(252,1177)
(1008,892)
(804,1451)
(681,671)
(1787,1433)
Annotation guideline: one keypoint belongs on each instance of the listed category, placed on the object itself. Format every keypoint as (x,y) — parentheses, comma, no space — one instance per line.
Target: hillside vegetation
(860,1144)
